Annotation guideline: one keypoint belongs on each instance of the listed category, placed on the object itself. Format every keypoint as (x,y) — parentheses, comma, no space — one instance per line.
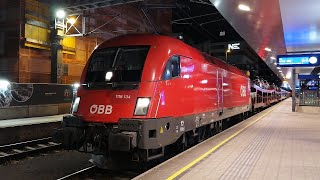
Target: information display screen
(309,60)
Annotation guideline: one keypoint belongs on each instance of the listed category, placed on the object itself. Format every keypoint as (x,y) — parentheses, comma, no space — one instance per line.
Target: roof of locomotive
(152,39)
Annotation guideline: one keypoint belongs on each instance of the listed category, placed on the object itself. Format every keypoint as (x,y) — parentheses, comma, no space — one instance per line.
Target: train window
(172,69)
(123,64)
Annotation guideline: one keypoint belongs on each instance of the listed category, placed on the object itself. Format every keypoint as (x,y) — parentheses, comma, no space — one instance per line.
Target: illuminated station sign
(303,60)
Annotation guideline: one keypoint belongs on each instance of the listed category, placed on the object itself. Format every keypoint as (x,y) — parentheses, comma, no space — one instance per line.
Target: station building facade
(25,39)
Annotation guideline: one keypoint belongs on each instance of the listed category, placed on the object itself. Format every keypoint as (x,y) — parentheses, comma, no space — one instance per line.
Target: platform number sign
(243,91)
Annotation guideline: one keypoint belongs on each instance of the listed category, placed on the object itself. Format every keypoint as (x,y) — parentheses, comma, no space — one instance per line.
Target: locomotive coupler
(72,133)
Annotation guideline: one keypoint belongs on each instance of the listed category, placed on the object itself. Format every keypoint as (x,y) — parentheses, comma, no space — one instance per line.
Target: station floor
(30,121)
(274,144)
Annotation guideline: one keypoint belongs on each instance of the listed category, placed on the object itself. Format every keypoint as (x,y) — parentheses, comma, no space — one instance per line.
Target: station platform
(274,144)
(30,121)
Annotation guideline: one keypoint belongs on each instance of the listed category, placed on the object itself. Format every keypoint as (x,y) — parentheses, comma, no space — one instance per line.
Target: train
(142,93)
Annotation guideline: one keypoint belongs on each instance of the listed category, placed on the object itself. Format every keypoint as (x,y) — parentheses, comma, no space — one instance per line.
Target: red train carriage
(263,94)
(140,93)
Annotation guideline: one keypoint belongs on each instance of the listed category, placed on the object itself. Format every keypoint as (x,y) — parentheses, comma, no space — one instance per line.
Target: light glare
(204,81)
(76,85)
(108,76)
(267,49)
(244,7)
(71,20)
(288,75)
(60,14)
(4,84)
(143,102)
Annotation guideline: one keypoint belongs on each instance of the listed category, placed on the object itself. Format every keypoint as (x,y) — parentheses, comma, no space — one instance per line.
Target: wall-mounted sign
(302,60)
(234,46)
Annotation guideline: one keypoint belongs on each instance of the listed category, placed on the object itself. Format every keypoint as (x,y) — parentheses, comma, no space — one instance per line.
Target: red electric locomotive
(141,93)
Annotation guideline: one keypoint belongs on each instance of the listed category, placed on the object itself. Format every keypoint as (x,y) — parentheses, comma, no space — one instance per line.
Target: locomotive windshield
(115,66)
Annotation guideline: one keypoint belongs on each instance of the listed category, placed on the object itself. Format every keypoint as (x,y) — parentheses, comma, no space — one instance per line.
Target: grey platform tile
(283,145)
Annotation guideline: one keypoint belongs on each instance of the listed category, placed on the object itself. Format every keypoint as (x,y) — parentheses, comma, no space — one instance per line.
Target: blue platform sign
(302,60)
(302,76)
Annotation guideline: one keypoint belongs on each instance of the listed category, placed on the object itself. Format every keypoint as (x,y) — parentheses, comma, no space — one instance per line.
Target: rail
(20,150)
(93,172)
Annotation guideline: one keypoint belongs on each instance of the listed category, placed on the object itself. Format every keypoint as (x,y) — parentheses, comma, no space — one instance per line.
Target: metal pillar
(56,66)
(293,90)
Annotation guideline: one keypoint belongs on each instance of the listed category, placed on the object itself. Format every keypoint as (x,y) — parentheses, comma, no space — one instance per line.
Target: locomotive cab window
(117,65)
(172,68)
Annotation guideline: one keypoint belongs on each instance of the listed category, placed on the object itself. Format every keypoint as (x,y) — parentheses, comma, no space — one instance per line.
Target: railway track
(21,150)
(93,172)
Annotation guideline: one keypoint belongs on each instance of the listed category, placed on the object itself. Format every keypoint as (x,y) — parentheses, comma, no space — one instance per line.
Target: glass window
(172,69)
(122,64)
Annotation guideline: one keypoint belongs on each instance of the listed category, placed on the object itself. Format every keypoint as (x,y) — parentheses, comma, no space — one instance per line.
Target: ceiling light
(275,63)
(278,67)
(71,20)
(273,58)
(244,7)
(288,76)
(267,49)
(60,14)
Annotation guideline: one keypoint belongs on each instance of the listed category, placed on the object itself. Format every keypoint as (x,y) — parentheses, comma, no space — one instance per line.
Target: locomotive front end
(110,97)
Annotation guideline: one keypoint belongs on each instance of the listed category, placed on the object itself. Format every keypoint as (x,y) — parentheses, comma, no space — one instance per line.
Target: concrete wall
(34,111)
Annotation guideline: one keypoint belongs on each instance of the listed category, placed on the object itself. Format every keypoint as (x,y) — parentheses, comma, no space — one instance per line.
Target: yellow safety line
(176,174)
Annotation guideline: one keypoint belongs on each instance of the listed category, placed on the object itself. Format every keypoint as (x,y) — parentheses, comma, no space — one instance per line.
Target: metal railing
(309,99)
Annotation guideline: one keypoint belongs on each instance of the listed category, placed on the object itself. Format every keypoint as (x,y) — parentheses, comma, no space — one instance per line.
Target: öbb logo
(243,91)
(100,109)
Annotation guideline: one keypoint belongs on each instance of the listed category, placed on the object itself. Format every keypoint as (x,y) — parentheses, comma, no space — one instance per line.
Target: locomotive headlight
(142,106)
(75,105)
